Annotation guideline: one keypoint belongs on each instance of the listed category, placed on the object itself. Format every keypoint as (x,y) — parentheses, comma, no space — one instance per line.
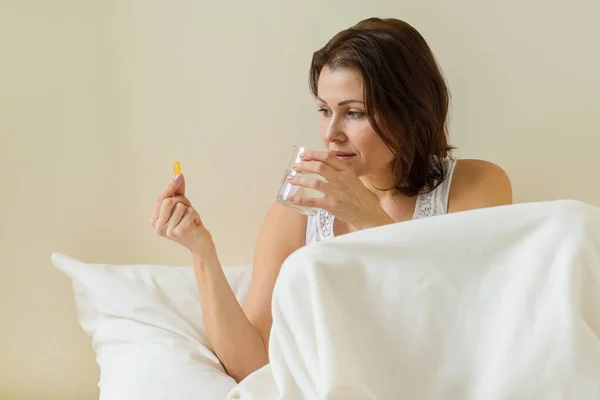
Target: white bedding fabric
(492,304)
(146,328)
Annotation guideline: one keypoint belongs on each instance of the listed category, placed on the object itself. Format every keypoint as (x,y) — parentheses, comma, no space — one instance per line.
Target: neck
(378,183)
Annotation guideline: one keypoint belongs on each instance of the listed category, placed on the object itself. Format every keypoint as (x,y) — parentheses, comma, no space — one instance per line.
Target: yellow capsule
(177,168)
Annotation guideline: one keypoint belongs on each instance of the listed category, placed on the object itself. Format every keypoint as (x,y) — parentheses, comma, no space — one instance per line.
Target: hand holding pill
(176,219)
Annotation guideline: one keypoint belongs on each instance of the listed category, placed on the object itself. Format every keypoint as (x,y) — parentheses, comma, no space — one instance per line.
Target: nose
(335,131)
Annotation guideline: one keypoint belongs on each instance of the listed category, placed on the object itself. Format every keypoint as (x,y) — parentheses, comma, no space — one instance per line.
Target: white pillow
(146,327)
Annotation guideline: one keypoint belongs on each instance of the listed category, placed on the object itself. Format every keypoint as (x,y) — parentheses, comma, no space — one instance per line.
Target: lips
(341,155)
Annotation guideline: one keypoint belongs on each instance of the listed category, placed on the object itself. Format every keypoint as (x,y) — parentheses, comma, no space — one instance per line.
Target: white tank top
(320,226)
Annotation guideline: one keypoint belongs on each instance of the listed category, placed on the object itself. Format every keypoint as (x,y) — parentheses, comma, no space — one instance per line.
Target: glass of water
(288,189)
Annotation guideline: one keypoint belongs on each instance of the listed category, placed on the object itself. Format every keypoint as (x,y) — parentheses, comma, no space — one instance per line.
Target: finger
(166,209)
(174,187)
(311,202)
(190,219)
(311,183)
(317,167)
(325,157)
(175,199)
(180,190)
(176,217)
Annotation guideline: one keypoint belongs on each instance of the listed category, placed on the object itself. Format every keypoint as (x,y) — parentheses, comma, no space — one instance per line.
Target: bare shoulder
(478,184)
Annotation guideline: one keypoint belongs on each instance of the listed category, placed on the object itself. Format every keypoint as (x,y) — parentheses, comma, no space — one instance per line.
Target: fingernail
(177,177)
(295,167)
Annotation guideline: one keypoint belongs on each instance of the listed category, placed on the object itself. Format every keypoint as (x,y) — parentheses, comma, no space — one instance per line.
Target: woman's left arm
(478,184)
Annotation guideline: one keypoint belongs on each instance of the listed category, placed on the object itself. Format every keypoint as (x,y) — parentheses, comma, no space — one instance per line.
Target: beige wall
(97,99)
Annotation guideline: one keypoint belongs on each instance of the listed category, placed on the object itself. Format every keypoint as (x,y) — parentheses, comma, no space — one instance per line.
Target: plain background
(98,98)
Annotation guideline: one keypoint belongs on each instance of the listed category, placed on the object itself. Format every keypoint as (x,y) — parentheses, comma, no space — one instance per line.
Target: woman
(383,108)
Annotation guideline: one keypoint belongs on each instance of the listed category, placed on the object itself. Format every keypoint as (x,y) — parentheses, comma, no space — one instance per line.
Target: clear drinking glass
(287,189)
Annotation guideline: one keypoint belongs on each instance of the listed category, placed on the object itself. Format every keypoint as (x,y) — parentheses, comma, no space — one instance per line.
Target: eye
(356,114)
(326,112)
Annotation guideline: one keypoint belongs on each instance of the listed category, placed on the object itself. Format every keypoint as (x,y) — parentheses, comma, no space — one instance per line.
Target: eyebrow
(343,103)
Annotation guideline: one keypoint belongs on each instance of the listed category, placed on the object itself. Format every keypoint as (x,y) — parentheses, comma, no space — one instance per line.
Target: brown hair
(405,95)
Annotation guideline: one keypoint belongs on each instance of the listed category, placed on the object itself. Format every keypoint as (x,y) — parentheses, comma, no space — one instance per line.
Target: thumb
(179,185)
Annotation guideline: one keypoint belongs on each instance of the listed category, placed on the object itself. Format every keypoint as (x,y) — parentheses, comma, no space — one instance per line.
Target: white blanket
(490,304)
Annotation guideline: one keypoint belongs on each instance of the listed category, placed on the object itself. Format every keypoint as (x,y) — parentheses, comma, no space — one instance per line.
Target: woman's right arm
(239,336)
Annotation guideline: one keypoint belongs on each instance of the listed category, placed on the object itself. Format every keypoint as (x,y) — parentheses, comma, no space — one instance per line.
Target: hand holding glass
(287,189)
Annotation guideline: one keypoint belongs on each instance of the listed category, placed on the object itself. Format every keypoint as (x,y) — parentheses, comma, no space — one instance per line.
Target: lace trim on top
(323,225)
(427,205)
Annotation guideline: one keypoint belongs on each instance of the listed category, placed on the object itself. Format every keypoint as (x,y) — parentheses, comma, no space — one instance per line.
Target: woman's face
(344,125)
